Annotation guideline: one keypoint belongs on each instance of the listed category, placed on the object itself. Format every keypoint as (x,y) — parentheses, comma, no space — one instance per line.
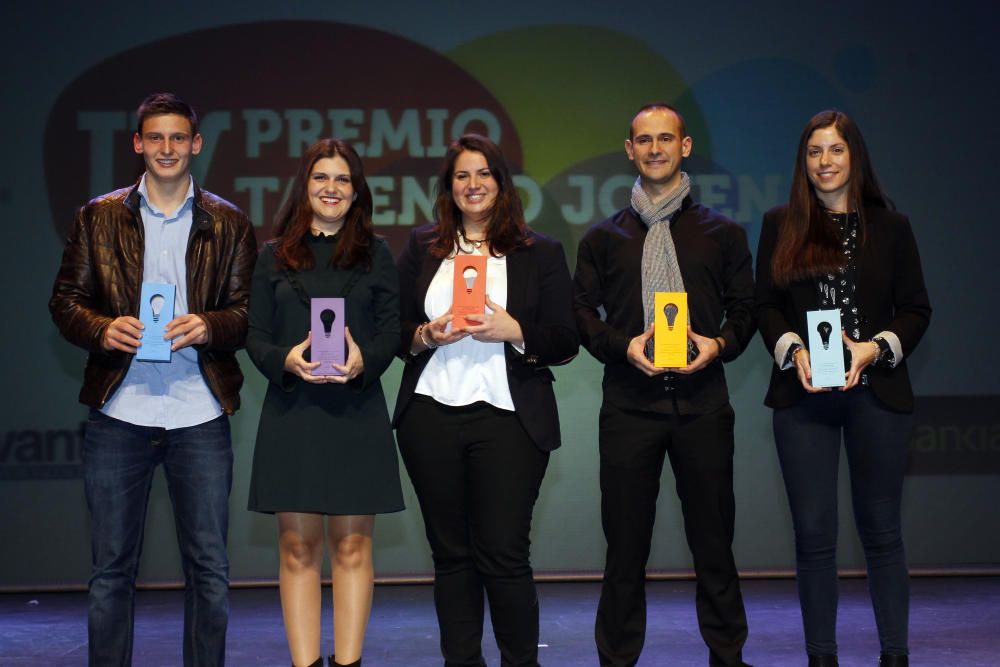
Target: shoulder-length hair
(506,230)
(293,221)
(808,244)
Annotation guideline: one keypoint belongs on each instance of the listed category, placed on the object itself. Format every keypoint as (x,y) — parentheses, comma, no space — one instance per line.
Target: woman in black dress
(839,243)
(476,415)
(325,461)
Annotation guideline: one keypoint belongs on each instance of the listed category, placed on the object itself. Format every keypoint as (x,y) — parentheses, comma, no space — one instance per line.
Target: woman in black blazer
(476,415)
(838,243)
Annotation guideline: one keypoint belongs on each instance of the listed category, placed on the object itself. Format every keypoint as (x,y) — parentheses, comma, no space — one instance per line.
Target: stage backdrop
(556,87)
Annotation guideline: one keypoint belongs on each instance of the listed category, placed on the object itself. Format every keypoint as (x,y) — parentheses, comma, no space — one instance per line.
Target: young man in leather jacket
(163,229)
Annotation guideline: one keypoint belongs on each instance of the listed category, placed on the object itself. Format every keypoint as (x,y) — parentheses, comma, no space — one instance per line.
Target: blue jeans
(876,441)
(118,463)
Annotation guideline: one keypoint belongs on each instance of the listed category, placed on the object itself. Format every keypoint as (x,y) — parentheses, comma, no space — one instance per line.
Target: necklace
(476,243)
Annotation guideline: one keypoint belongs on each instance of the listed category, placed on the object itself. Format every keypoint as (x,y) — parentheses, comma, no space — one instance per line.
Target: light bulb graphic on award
(825,329)
(670,312)
(469,275)
(327,317)
(156,305)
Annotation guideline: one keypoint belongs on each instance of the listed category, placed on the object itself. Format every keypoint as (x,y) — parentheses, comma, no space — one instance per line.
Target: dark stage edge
(955,622)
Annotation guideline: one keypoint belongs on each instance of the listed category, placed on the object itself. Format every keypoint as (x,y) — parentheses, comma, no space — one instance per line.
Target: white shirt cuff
(781,349)
(894,345)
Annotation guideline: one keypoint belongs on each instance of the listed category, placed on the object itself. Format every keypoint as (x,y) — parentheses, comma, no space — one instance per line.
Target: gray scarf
(660,270)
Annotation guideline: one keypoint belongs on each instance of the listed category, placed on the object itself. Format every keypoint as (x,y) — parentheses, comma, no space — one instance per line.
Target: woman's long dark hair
(808,244)
(293,221)
(506,229)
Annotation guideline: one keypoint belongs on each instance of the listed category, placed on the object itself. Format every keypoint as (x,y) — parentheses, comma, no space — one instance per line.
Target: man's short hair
(159,104)
(657,105)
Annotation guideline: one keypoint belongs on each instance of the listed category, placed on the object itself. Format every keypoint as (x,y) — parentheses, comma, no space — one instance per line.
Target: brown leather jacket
(101,276)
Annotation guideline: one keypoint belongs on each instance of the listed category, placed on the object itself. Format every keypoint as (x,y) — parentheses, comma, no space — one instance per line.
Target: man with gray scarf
(665,241)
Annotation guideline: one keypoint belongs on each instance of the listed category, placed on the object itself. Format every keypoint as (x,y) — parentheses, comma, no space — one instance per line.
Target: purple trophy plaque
(327,322)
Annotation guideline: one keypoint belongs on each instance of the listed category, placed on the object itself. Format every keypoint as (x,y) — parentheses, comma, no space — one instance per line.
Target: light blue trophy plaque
(156,309)
(826,348)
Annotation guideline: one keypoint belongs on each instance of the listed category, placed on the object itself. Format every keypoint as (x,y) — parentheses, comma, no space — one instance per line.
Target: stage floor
(955,622)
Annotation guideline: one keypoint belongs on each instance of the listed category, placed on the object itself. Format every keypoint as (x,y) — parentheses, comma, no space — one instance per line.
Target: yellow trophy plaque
(670,319)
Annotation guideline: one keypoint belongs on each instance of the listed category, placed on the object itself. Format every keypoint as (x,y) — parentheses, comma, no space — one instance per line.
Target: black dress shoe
(886,660)
(823,661)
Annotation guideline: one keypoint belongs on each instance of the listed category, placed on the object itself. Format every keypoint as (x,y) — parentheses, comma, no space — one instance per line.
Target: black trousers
(477,473)
(633,445)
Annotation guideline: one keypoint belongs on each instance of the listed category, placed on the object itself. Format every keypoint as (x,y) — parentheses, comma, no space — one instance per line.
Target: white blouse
(469,370)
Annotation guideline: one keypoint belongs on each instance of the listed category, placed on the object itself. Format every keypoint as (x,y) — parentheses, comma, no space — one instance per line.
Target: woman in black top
(325,461)
(838,243)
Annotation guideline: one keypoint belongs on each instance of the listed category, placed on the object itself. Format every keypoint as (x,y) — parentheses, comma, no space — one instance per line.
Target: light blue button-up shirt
(173,394)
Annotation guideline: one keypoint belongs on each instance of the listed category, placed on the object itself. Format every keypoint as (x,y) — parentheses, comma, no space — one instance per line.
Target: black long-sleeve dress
(328,448)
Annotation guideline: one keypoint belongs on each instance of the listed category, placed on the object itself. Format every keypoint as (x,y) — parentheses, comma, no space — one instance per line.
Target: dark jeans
(808,437)
(477,472)
(633,446)
(118,463)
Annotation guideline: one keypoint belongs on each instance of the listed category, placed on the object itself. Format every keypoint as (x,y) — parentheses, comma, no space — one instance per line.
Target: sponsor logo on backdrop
(956,435)
(36,454)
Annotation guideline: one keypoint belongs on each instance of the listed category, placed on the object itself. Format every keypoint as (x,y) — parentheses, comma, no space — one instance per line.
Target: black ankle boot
(886,660)
(333,663)
(318,663)
(823,661)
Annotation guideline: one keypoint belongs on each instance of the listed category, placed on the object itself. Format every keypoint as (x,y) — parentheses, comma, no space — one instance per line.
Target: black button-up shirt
(717,269)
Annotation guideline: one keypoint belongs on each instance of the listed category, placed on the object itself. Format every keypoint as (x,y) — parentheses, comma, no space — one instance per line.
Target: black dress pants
(633,445)
(477,473)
